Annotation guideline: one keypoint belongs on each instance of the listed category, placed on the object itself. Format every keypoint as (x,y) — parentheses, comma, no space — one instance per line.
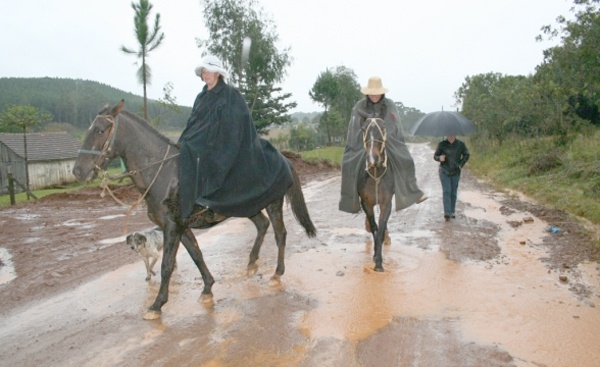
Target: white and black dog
(149,245)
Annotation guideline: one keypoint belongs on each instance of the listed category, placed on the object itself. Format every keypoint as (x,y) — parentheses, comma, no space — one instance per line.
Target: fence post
(11,188)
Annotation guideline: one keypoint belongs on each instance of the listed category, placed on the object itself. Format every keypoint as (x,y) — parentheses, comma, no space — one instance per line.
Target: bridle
(108,144)
(368,141)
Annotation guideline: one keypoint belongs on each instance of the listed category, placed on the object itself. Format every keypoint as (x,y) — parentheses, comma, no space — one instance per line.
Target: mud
(490,288)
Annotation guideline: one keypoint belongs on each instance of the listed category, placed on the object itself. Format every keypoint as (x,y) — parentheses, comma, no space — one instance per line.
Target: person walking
(452,154)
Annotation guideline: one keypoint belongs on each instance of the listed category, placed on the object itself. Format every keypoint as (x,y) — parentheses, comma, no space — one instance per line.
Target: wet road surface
(469,292)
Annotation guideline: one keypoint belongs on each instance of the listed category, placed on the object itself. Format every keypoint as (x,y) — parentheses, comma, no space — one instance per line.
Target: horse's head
(97,149)
(374,138)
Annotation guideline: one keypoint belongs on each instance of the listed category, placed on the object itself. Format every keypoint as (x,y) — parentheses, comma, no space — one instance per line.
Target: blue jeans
(449,188)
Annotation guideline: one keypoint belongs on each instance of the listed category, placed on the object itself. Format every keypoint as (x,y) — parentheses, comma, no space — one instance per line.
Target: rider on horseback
(224,165)
(375,104)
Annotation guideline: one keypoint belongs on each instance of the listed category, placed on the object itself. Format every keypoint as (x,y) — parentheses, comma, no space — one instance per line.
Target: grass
(329,154)
(562,177)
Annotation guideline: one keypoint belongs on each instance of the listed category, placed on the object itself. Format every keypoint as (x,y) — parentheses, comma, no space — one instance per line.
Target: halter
(108,144)
(366,140)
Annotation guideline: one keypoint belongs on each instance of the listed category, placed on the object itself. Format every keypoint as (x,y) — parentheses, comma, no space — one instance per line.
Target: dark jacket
(224,165)
(456,153)
(402,166)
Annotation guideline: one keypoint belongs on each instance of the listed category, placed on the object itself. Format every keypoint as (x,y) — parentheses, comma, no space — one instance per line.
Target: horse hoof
(252,270)
(379,269)
(275,281)
(205,298)
(152,315)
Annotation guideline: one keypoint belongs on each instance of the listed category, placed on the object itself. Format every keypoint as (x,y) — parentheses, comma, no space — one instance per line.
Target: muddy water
(470,292)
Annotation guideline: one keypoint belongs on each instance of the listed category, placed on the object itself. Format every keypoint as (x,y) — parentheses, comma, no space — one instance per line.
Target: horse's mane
(136,118)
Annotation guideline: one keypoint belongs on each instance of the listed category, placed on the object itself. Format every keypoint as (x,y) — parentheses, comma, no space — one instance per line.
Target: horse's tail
(295,197)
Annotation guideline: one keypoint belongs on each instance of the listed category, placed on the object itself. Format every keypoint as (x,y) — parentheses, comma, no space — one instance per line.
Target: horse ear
(117,109)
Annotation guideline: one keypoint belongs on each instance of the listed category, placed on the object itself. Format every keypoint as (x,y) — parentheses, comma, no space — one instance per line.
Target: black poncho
(224,165)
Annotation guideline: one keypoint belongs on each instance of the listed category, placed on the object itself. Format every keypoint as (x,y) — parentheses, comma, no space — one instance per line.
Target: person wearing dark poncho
(224,165)
(375,103)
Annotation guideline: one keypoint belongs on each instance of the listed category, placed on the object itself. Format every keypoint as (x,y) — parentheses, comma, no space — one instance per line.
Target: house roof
(42,146)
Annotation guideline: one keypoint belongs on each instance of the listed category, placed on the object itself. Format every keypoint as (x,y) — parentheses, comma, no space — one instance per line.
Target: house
(51,157)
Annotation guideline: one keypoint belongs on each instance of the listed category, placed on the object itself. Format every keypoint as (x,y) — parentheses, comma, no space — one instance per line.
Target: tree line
(558,101)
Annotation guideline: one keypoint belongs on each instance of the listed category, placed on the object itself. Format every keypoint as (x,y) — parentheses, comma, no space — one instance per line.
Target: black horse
(376,186)
(153,165)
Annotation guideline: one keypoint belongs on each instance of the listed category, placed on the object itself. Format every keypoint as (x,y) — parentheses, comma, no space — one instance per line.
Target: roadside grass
(21,198)
(563,177)
(332,155)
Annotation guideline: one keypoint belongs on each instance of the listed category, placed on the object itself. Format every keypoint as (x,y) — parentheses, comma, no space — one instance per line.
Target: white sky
(423,50)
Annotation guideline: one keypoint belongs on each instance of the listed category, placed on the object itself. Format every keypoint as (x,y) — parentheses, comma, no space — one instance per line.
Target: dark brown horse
(153,165)
(376,186)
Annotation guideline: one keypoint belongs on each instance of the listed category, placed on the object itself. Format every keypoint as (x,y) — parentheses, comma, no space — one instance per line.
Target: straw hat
(212,64)
(375,87)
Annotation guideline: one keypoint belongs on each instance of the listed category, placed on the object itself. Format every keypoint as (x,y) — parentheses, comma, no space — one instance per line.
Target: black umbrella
(443,123)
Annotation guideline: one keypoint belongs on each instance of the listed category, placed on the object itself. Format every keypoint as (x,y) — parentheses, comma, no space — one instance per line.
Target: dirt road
(490,288)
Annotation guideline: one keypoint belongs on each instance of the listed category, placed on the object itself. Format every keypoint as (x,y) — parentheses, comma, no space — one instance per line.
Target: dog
(149,245)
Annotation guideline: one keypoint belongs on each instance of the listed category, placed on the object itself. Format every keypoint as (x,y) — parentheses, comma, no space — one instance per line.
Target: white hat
(212,64)
(375,87)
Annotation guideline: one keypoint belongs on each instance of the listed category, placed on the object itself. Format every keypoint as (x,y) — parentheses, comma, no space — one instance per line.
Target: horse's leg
(275,211)
(386,210)
(262,224)
(367,207)
(191,245)
(172,236)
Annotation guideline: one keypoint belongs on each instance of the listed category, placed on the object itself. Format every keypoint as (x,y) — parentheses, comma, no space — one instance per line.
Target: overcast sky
(422,50)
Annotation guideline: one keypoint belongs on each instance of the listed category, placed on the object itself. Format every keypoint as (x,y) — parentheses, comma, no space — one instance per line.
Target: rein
(106,177)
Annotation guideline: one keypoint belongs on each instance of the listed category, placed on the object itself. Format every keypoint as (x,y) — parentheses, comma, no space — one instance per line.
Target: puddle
(7,270)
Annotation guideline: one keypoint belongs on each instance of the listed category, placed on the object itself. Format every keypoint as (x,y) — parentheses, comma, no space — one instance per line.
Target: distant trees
(77,102)
(148,40)
(21,118)
(337,91)
(562,96)
(228,23)
(408,116)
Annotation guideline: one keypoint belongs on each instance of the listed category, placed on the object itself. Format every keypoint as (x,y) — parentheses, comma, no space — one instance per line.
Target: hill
(77,101)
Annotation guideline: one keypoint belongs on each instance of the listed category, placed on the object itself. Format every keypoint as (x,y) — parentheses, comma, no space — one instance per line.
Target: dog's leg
(154,259)
(149,271)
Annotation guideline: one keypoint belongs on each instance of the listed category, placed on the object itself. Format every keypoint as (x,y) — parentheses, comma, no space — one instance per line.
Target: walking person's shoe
(452,215)
(447,217)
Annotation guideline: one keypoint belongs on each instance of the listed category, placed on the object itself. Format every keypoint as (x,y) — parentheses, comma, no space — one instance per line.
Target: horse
(152,163)
(375,186)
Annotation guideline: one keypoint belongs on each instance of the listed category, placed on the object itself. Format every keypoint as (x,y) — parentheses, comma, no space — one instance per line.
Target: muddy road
(490,288)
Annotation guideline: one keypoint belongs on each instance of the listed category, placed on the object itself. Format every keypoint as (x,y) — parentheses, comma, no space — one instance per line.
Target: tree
(167,103)
(336,90)
(303,137)
(228,23)
(22,117)
(571,69)
(148,41)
